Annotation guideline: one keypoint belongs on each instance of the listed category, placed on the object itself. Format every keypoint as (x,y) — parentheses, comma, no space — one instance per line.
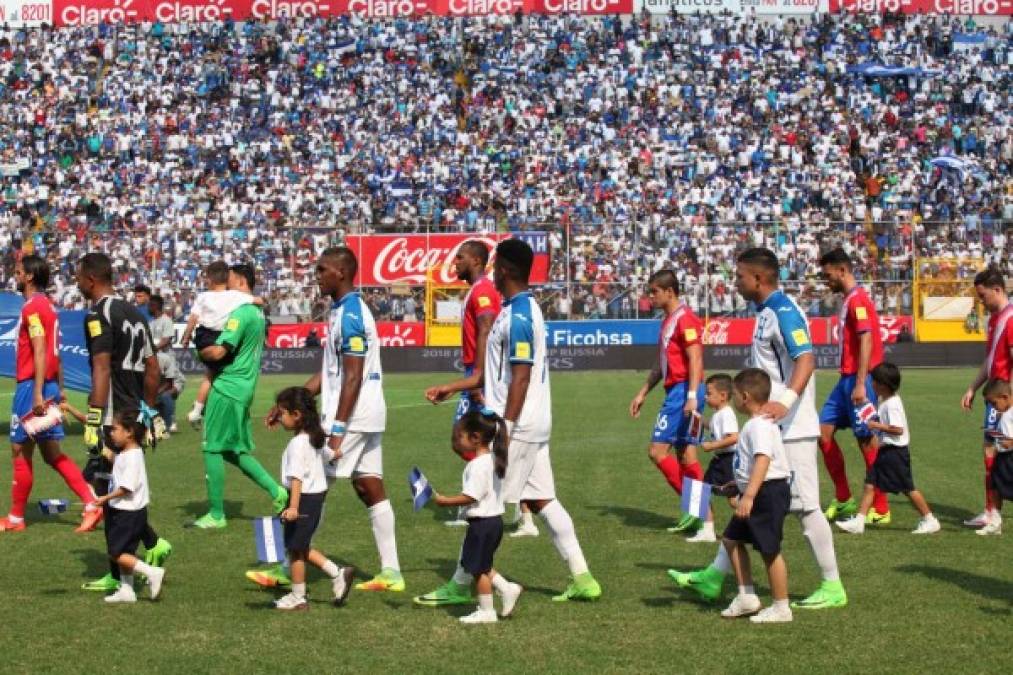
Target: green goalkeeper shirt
(244,336)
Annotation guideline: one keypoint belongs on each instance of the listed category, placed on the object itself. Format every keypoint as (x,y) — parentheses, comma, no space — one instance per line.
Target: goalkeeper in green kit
(228,434)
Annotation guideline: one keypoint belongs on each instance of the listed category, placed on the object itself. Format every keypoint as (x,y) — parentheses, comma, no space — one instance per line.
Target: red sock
(22,486)
(989,501)
(66,467)
(694,471)
(669,466)
(879,499)
(833,458)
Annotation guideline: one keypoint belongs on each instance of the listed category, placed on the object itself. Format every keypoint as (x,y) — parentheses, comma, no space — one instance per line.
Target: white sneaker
(854,525)
(291,603)
(196,419)
(510,599)
(991,528)
(173,429)
(155,582)
(124,595)
(772,614)
(525,531)
(742,605)
(518,514)
(456,522)
(705,535)
(480,616)
(979,520)
(342,585)
(927,525)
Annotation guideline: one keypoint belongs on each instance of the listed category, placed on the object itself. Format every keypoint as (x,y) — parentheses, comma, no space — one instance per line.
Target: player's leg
(21,485)
(214,475)
(835,414)
(990,425)
(686,442)
(665,435)
(228,430)
(805,504)
(519,462)
(1000,479)
(256,472)
(366,450)
(72,476)
(539,492)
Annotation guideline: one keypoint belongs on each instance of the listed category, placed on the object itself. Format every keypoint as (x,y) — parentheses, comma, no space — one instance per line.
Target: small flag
(696,497)
(867,413)
(422,492)
(695,429)
(268,539)
(51,507)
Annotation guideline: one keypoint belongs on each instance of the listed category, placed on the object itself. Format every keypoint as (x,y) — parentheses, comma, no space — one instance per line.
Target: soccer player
(39,385)
(516,387)
(861,350)
(124,376)
(481,305)
(228,436)
(782,348)
(353,410)
(680,366)
(990,287)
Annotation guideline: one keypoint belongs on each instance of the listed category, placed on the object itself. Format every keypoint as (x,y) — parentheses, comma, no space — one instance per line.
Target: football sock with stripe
(381,517)
(833,458)
(722,563)
(669,467)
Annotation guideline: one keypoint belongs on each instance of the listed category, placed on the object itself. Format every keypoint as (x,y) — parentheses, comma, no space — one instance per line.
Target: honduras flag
(51,507)
(422,492)
(696,497)
(344,47)
(400,188)
(268,539)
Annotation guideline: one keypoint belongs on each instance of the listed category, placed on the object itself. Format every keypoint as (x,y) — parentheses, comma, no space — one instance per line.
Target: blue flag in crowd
(51,507)
(696,497)
(422,492)
(269,541)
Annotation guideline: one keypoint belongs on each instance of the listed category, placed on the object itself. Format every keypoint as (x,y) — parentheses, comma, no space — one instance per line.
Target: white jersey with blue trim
(518,336)
(351,331)
(780,337)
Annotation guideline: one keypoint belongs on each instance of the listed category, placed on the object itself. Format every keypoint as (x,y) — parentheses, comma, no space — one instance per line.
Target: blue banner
(603,333)
(73,353)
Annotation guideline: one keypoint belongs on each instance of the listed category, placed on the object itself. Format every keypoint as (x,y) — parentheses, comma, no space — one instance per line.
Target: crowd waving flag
(422,491)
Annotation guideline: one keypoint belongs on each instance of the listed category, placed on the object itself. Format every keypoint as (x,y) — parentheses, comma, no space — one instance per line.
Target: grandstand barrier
(632,357)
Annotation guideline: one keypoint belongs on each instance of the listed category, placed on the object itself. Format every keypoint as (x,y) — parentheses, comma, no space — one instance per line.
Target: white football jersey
(891,412)
(518,336)
(351,331)
(781,336)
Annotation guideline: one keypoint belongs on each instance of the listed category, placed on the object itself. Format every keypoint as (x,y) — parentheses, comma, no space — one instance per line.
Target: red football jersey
(858,315)
(997,358)
(482,299)
(38,319)
(679,330)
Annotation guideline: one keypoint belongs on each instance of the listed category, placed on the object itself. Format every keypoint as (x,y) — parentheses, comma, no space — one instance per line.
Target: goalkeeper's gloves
(93,429)
(154,424)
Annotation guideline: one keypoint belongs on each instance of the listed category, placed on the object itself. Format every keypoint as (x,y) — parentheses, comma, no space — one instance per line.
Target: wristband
(691,396)
(339,429)
(95,416)
(788,398)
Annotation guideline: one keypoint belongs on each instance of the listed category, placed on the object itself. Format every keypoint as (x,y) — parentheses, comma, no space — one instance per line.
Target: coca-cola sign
(409,258)
(391,334)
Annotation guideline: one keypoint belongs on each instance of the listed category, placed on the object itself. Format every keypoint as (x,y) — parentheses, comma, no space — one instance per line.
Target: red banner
(987,7)
(406,258)
(392,334)
(822,331)
(89,12)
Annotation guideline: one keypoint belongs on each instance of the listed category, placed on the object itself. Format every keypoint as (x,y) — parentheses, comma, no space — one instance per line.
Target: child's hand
(744,507)
(289,515)
(438,499)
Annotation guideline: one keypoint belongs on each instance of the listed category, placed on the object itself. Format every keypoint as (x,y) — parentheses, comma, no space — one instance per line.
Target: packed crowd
(635,143)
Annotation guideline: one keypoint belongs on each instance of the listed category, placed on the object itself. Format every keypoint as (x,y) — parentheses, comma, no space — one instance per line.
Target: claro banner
(406,258)
(977,7)
(84,12)
(761,7)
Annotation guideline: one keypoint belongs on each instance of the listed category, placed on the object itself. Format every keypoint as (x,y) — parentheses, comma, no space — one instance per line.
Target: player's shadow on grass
(96,563)
(634,517)
(987,587)
(195,509)
(954,515)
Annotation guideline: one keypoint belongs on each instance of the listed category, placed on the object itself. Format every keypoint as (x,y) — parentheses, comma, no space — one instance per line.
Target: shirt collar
(343,299)
(510,300)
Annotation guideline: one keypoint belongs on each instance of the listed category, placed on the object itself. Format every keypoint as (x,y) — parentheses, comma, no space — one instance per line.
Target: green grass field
(939,603)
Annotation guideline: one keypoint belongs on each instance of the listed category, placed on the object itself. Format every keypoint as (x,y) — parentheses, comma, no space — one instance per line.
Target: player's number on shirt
(662,422)
(135,356)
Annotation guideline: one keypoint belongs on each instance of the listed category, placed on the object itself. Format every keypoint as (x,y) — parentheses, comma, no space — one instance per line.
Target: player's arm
(745,506)
(795,332)
(353,348)
(859,395)
(694,354)
(653,378)
(728,441)
(38,339)
(229,339)
(520,378)
(442,392)
(968,399)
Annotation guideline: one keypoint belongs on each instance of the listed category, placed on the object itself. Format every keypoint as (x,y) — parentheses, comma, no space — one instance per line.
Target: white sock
(381,517)
(500,583)
(708,527)
(126,581)
(527,519)
(198,407)
(299,590)
(330,569)
(747,590)
(816,530)
(780,604)
(485,603)
(564,536)
(462,578)
(143,568)
(15,519)
(722,563)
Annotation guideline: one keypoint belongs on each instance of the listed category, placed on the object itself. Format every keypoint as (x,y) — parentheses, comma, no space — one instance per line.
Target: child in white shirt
(724,434)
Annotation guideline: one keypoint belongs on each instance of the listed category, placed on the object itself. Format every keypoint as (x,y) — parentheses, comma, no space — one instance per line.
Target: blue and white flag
(344,47)
(400,188)
(268,538)
(696,497)
(51,507)
(422,492)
